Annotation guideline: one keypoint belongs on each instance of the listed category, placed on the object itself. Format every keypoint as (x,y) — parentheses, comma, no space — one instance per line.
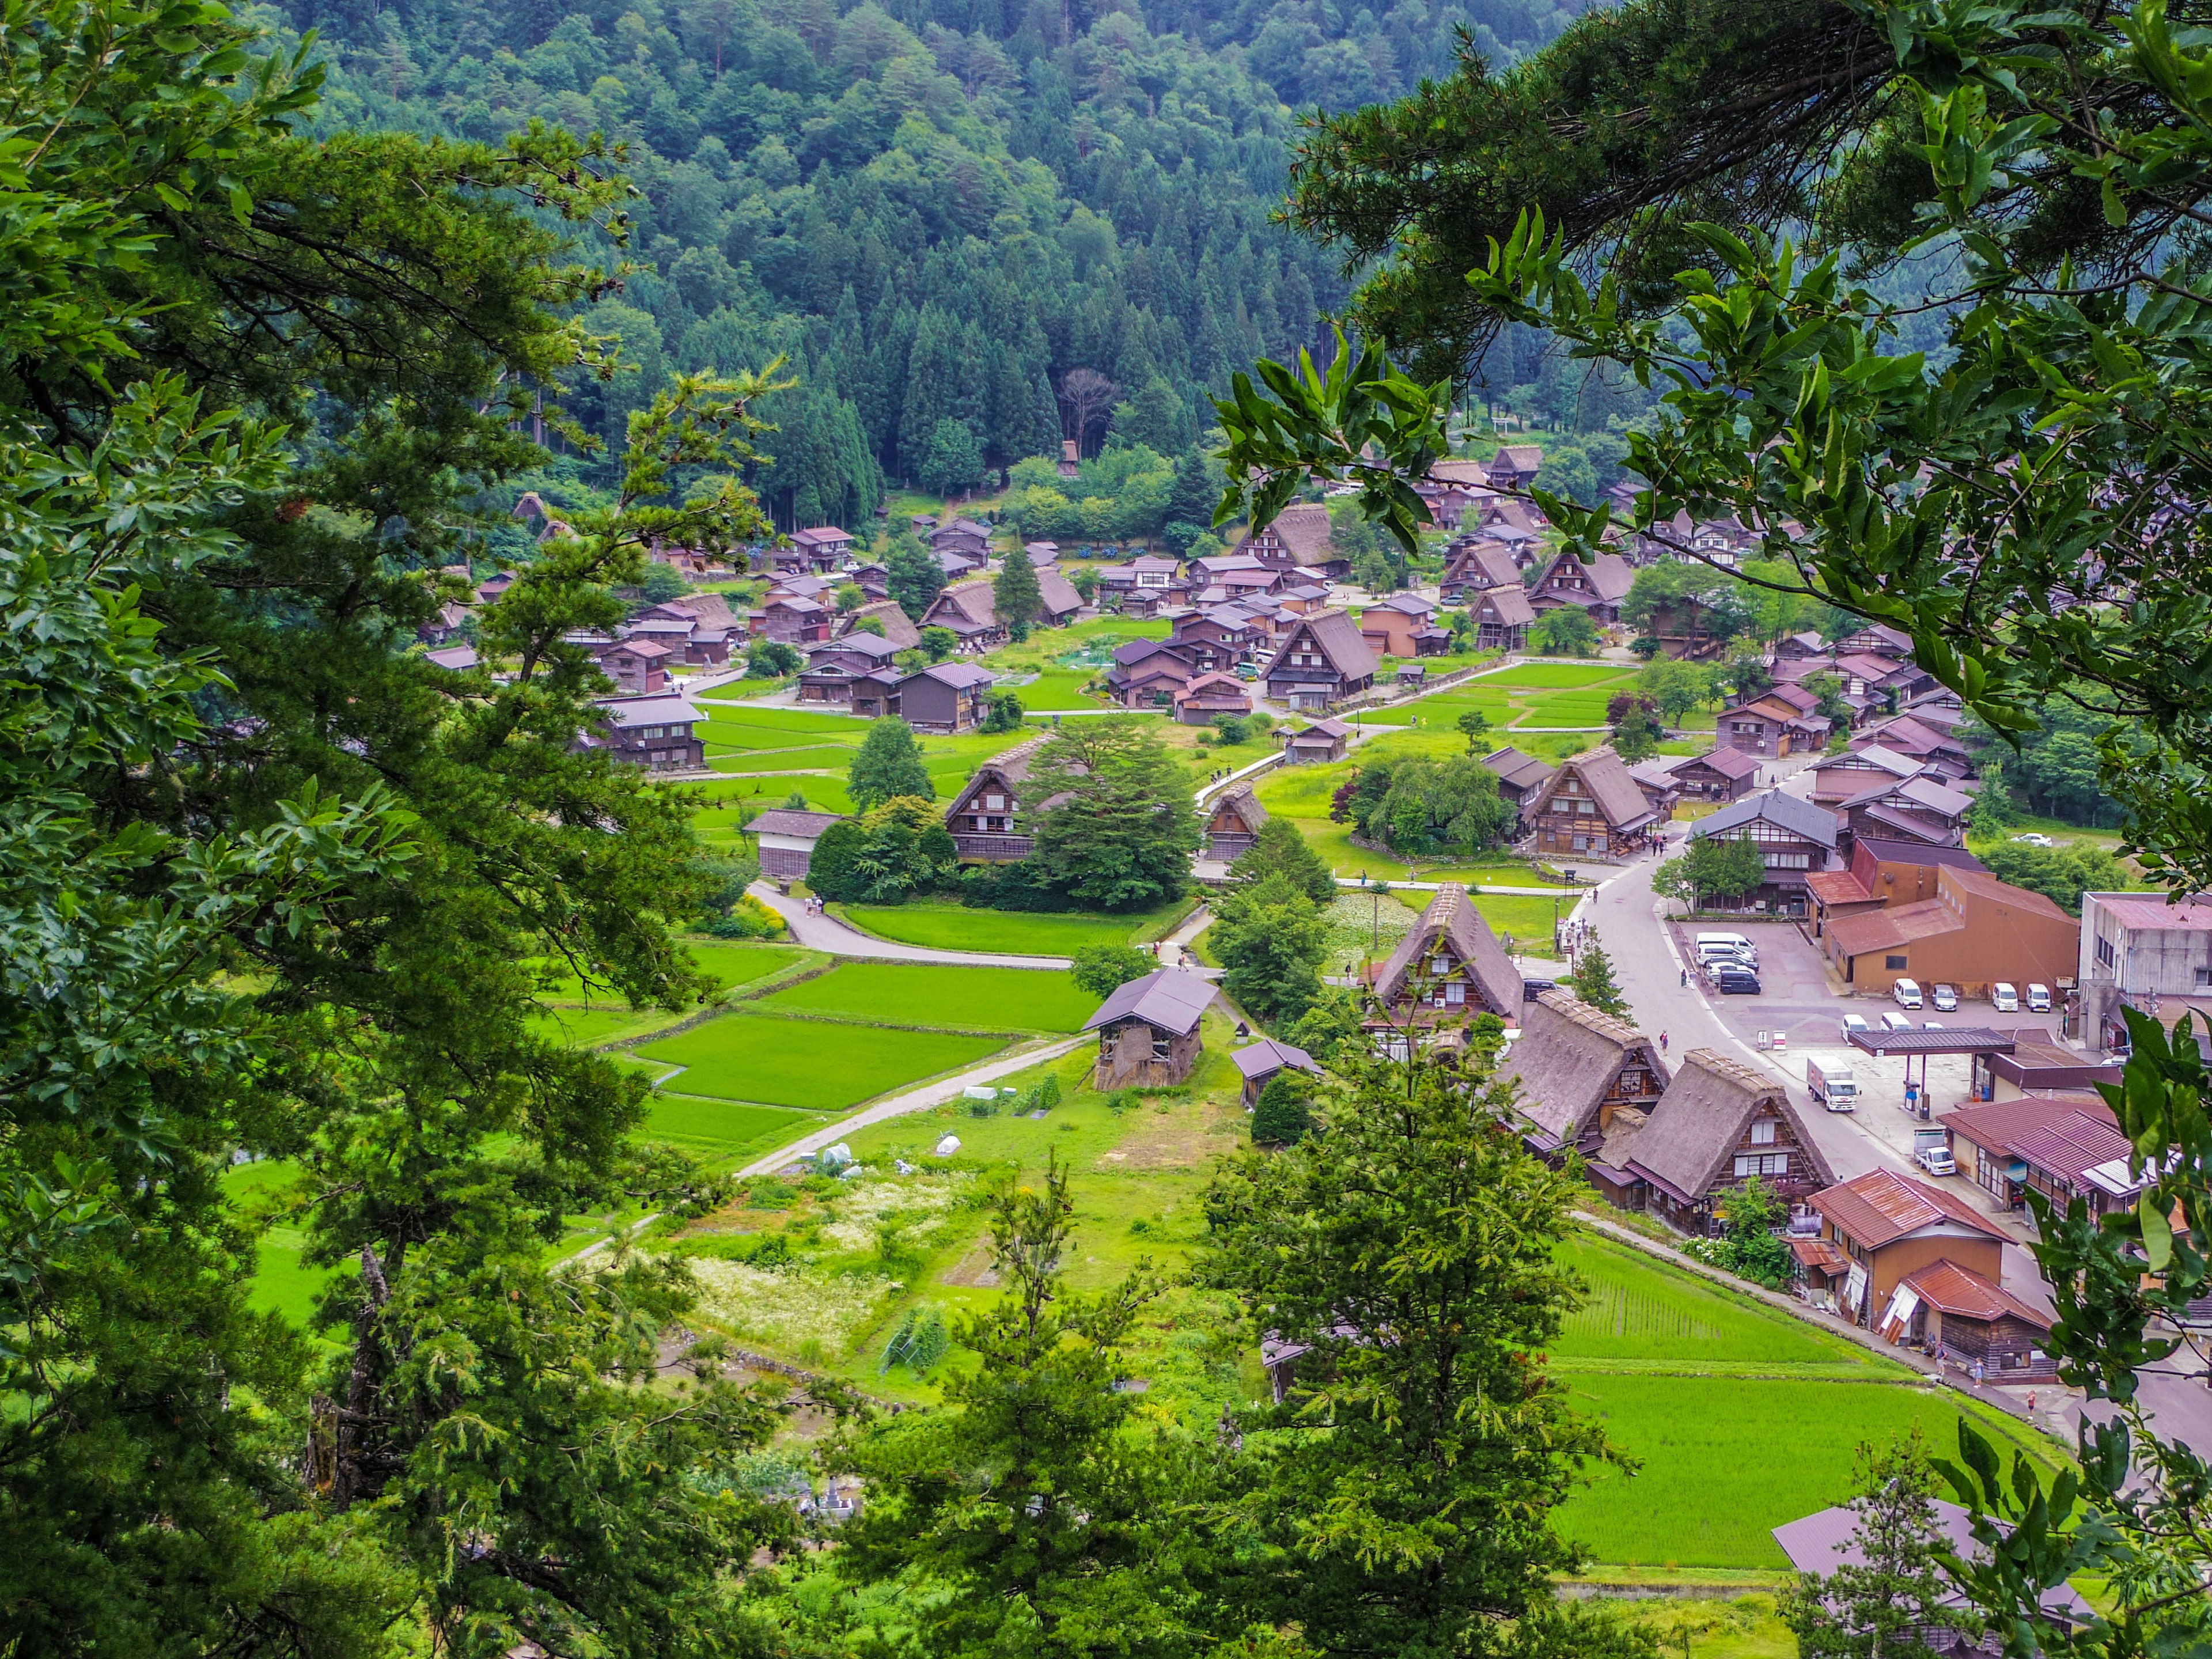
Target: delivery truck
(1831,1084)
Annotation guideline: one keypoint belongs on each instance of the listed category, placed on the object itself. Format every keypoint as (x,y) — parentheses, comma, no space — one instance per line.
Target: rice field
(816,1065)
(1007,932)
(1639,1310)
(985,998)
(721,1129)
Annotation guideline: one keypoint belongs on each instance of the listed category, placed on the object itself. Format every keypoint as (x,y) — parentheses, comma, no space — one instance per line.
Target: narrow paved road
(826,933)
(917,1100)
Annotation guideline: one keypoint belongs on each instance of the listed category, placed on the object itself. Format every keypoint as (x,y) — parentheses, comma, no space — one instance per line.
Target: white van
(2004,998)
(1906,992)
(1736,939)
(2038,998)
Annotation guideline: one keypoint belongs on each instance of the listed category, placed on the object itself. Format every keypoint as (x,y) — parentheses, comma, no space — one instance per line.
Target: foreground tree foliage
(275,886)
(2025,501)
(1397,1501)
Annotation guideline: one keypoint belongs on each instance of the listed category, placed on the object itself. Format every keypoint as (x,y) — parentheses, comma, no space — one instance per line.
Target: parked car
(1932,1025)
(2038,998)
(1737,981)
(1936,1160)
(1906,993)
(2004,998)
(1855,1022)
(1946,999)
(1894,1021)
(2033,839)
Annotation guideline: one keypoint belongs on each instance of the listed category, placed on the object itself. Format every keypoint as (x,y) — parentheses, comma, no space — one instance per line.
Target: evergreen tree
(952,460)
(1272,941)
(1017,598)
(888,766)
(916,576)
(1119,830)
(1881,1605)
(1281,1116)
(1279,849)
(1593,982)
(1101,969)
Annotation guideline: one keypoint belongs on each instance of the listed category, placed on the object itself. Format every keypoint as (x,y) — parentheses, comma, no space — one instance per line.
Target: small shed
(1412,674)
(1261,1062)
(1148,1030)
(1955,1313)
(1317,744)
(786,839)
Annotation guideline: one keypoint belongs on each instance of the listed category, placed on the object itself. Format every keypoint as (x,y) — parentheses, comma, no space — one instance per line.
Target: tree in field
(1879,1607)
(662,583)
(1006,712)
(1565,630)
(770,659)
(887,855)
(1120,830)
(1101,969)
(1475,725)
(1593,981)
(1727,868)
(938,643)
(1424,807)
(1279,849)
(1674,687)
(1272,941)
(1416,1213)
(886,765)
(1017,599)
(1634,717)
(916,576)
(1281,1117)
(1045,1514)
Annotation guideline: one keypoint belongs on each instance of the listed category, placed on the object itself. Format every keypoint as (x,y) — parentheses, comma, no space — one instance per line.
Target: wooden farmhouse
(786,838)
(1502,615)
(792,619)
(898,627)
(1591,808)
(1301,538)
(1519,775)
(1595,582)
(1725,774)
(1317,744)
(1260,1063)
(962,536)
(1919,809)
(1578,1071)
(1718,1124)
(824,547)
(1200,702)
(1151,673)
(1404,625)
(655,732)
(1232,823)
(1776,723)
(1477,562)
(1795,840)
(986,819)
(640,667)
(1320,662)
(1148,1030)
(945,697)
(1515,466)
(1450,966)
(970,611)
(831,668)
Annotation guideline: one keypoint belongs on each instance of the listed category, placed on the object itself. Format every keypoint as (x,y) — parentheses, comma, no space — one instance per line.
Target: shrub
(1102,969)
(747,918)
(1282,1118)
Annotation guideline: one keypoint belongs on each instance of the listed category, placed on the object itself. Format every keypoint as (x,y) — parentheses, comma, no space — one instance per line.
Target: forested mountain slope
(937,212)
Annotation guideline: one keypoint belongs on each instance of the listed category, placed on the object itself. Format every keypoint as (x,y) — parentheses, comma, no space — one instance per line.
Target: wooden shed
(1148,1030)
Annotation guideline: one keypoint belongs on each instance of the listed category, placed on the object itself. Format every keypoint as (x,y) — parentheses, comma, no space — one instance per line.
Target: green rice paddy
(956,927)
(974,999)
(815,1065)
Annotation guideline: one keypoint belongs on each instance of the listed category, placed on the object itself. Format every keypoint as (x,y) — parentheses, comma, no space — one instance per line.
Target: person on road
(1662,1043)
(1686,978)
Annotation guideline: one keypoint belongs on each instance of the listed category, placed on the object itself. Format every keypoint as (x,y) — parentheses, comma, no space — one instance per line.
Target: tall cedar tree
(1281,1116)
(301,887)
(1399,1500)
(1881,1604)
(1019,600)
(1278,848)
(914,575)
(1033,1513)
(1115,827)
(1593,981)
(888,765)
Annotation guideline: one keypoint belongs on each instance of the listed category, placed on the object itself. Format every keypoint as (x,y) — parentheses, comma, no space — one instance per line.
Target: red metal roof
(2150,910)
(1951,1289)
(1879,1207)
(2069,1144)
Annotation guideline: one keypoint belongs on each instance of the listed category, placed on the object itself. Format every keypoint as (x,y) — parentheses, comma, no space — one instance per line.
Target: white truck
(1831,1084)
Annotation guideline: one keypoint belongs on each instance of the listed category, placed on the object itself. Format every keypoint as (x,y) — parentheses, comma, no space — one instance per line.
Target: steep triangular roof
(1337,637)
(1058,593)
(1451,918)
(1242,805)
(898,627)
(1693,1132)
(1566,1058)
(1605,779)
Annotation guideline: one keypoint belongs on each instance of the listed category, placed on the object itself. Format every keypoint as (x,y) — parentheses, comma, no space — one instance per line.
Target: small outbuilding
(786,839)
(1261,1062)
(1148,1030)
(1232,823)
(1316,745)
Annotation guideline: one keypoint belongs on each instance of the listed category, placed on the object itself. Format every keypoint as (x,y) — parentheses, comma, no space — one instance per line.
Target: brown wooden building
(1795,840)
(1596,582)
(986,819)
(1232,823)
(1316,745)
(652,732)
(785,839)
(1724,775)
(1591,808)
(1148,1030)
(1578,1071)
(1320,662)
(1260,1063)
(1719,1124)
(1451,965)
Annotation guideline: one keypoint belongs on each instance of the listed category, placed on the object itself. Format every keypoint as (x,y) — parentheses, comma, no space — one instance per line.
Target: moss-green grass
(1641,1310)
(972,999)
(813,1065)
(726,964)
(957,927)
(721,1129)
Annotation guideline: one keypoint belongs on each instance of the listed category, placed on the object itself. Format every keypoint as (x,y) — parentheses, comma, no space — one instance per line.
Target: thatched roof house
(1579,1070)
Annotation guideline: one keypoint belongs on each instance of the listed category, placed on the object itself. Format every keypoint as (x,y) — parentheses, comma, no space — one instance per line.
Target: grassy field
(729,965)
(976,999)
(816,1065)
(957,927)
(1640,1309)
(719,1130)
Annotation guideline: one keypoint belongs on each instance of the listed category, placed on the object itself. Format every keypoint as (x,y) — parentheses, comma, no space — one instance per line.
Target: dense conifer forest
(937,212)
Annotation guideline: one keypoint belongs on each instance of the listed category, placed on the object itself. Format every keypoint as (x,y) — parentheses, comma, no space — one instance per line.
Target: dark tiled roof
(1791,812)
(1523,771)
(783,821)
(1269,1055)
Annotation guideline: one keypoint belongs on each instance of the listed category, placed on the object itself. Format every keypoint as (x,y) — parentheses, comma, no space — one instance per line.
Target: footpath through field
(826,933)
(918,1100)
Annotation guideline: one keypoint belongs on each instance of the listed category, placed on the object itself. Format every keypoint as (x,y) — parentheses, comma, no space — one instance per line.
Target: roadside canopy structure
(1922,1041)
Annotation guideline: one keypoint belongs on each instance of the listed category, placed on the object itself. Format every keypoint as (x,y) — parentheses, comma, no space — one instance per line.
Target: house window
(1581,843)
(1454,994)
(2105,955)
(1762,1132)
(1762,1163)
(2204,979)
(1892,964)
(995,802)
